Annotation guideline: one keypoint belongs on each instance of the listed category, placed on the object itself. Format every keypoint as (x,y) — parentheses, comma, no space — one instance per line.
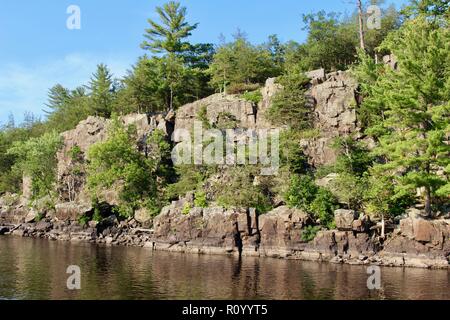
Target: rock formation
(279,233)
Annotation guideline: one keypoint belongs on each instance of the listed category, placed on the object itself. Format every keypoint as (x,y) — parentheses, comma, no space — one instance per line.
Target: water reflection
(36,269)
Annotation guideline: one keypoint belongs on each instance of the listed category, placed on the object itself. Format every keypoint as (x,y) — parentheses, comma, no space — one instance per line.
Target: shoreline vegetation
(364,153)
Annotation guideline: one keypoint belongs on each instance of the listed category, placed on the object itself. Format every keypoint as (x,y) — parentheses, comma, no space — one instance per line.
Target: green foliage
(202,116)
(190,178)
(309,233)
(241,192)
(200,199)
(39,217)
(186,209)
(353,162)
(290,106)
(178,75)
(75,153)
(10,133)
(144,89)
(381,199)
(415,117)
(36,158)
(67,108)
(304,194)
(323,207)
(350,189)
(277,51)
(240,62)
(226,121)
(101,92)
(291,155)
(241,88)
(332,41)
(253,96)
(97,216)
(353,156)
(433,9)
(168,35)
(84,219)
(116,163)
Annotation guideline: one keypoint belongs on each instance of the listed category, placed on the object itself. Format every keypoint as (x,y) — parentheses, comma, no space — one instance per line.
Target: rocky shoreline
(411,241)
(278,234)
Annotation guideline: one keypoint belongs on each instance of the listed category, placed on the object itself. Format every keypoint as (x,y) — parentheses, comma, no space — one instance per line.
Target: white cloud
(24,87)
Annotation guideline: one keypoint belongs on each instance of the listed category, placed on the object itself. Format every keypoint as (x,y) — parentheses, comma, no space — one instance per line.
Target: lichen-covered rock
(332,243)
(435,232)
(71,210)
(344,219)
(204,227)
(282,228)
(217,105)
(144,217)
(335,115)
(268,93)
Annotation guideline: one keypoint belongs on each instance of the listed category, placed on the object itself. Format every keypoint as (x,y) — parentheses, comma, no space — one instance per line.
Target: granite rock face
(344,219)
(335,102)
(241,111)
(282,228)
(71,186)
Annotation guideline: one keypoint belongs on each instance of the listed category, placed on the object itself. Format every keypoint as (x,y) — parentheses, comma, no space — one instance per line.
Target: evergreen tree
(58,96)
(239,63)
(167,36)
(414,143)
(101,91)
(290,105)
(144,88)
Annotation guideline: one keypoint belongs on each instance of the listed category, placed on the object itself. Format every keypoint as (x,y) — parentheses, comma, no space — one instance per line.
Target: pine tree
(57,98)
(101,91)
(168,35)
(414,147)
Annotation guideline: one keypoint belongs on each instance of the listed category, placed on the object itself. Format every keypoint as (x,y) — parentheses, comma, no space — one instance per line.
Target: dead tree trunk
(361,25)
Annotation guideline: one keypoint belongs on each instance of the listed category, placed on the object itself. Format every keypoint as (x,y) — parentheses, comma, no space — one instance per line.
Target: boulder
(243,111)
(282,227)
(435,232)
(391,61)
(344,219)
(362,224)
(336,104)
(268,92)
(43,226)
(316,74)
(331,243)
(326,181)
(31,216)
(70,210)
(144,217)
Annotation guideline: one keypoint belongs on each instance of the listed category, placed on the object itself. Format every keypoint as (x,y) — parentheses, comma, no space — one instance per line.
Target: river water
(36,269)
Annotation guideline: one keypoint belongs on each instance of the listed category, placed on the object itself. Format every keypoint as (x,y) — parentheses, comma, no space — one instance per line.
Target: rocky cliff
(279,233)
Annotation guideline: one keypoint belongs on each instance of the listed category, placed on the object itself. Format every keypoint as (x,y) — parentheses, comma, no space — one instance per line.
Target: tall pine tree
(414,144)
(101,91)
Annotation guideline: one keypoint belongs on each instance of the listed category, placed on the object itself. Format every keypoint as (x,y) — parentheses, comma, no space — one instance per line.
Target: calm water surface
(36,269)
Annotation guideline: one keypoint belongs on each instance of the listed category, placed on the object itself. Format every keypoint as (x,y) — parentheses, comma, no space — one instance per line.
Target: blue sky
(37,50)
